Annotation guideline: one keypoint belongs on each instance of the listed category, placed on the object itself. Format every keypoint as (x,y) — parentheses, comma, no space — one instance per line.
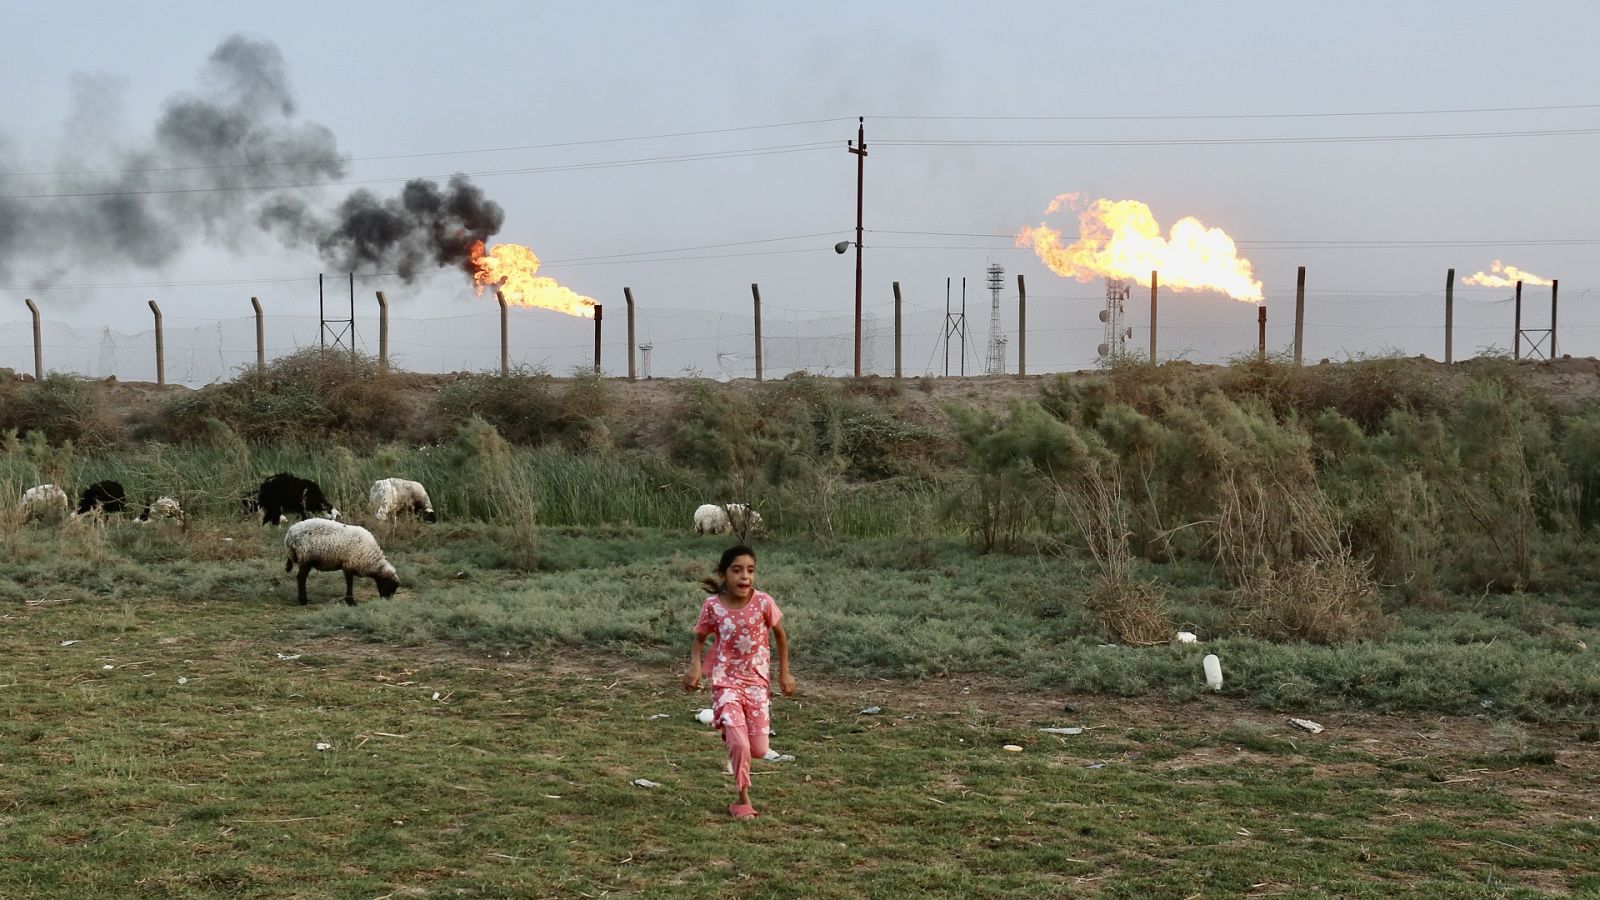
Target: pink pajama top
(739,662)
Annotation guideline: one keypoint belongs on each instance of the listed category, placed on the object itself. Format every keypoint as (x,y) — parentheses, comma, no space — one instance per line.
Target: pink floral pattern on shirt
(740,663)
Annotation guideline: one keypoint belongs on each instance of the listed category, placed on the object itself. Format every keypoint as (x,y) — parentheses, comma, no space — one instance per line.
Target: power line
(256,164)
(609,164)
(435,153)
(624,262)
(1301,244)
(1194,142)
(793,237)
(1236,116)
(570,261)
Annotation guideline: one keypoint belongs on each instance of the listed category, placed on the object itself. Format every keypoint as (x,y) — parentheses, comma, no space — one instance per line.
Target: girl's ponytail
(711,585)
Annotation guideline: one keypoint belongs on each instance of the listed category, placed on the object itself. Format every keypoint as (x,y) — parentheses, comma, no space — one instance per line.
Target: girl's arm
(691,678)
(785,677)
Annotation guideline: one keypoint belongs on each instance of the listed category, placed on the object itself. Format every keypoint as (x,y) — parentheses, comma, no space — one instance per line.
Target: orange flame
(1504,276)
(1121,239)
(510,269)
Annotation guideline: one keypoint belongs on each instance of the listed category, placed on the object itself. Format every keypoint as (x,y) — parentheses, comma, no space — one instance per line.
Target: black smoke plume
(224,164)
(423,228)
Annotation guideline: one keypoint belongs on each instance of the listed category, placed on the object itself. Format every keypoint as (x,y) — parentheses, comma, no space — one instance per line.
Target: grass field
(484,728)
(1398,550)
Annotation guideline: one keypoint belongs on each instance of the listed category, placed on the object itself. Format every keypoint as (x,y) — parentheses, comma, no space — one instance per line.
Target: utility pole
(859,148)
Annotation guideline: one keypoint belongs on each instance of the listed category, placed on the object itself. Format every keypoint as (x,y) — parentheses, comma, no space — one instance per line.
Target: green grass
(516,780)
(891,609)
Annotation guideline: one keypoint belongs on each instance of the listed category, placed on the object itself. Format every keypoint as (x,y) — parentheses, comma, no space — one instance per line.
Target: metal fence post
(161,350)
(38,344)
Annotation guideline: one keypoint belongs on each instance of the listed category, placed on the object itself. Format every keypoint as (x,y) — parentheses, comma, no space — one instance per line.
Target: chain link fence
(1064,334)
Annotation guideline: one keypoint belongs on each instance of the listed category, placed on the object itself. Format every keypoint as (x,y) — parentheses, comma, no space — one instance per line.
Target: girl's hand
(786,684)
(691,680)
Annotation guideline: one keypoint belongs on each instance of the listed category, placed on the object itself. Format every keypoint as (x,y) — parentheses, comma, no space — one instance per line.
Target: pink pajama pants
(744,721)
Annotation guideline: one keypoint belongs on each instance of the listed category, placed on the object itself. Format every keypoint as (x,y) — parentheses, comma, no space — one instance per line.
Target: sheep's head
(428,516)
(387,581)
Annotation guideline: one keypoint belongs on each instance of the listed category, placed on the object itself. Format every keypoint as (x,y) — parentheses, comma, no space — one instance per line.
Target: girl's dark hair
(716,586)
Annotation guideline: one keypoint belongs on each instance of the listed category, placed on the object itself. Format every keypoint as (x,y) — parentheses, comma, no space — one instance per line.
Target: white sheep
(164,509)
(44,501)
(710,518)
(392,496)
(325,545)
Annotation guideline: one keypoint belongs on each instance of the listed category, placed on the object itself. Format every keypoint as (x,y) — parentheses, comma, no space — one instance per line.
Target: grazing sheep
(325,545)
(710,518)
(164,509)
(392,496)
(101,498)
(285,493)
(43,501)
(743,520)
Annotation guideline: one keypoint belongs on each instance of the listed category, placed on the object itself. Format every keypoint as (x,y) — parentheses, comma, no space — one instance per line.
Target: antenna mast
(995,362)
(1116,334)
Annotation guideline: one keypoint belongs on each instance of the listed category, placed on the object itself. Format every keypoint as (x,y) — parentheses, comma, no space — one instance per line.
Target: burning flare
(510,268)
(1504,276)
(1121,239)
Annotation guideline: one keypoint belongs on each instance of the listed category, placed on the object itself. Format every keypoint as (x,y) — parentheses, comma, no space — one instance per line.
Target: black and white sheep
(392,496)
(162,509)
(100,498)
(325,545)
(286,493)
(43,501)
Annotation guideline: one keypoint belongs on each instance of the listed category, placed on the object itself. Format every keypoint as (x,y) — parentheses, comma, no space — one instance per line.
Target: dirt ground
(1451,748)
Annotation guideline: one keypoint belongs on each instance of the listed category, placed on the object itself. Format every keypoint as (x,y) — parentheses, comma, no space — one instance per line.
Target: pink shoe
(741,811)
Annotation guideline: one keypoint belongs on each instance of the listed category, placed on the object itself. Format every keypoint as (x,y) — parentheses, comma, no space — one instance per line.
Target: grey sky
(399,79)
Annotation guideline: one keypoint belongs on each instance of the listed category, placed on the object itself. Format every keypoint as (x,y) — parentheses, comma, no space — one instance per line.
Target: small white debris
(872,710)
(1188,637)
(323,745)
(435,695)
(1012,748)
(108,666)
(1213,669)
(227,540)
(70,643)
(182,680)
(288,656)
(1306,725)
(660,716)
(704,716)
(645,783)
(1073,730)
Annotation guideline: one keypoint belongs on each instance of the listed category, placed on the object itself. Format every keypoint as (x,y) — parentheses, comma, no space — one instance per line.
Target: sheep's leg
(305,569)
(350,588)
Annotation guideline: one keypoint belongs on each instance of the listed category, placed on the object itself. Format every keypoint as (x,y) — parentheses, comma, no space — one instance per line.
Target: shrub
(61,408)
(1132,610)
(309,395)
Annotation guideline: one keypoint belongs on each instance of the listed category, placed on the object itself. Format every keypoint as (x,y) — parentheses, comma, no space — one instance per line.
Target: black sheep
(286,493)
(106,496)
